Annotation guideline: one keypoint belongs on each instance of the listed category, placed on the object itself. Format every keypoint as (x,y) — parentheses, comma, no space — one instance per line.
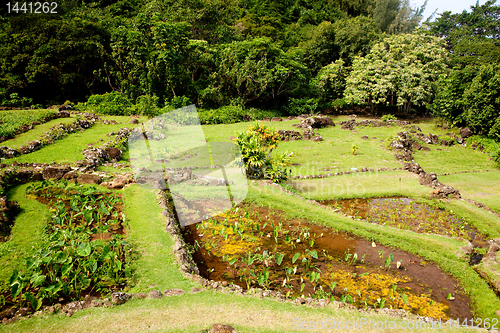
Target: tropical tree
(449,102)
(253,71)
(482,101)
(402,70)
(471,37)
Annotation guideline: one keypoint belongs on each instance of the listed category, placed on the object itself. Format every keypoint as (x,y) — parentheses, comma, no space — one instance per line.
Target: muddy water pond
(258,247)
(406,213)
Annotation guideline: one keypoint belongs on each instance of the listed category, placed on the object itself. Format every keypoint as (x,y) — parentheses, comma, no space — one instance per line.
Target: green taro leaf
(37,280)
(314,254)
(295,257)
(279,258)
(103,208)
(84,249)
(66,268)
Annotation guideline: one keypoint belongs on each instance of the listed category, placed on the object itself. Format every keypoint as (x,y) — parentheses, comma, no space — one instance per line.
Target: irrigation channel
(256,247)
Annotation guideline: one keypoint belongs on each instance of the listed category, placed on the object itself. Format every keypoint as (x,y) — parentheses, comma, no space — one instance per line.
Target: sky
(455,6)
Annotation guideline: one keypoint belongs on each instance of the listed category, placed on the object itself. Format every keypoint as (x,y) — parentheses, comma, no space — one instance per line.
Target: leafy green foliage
(330,81)
(256,145)
(71,262)
(449,102)
(113,103)
(47,57)
(400,70)
(387,117)
(471,36)
(12,121)
(298,106)
(482,101)
(253,71)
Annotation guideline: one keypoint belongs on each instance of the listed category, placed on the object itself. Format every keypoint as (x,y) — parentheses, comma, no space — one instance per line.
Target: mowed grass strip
(34,134)
(69,149)
(193,312)
(482,187)
(360,185)
(155,267)
(11,121)
(26,235)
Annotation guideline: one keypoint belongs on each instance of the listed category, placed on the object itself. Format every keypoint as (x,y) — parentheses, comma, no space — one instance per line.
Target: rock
(447,142)
(134,121)
(424,148)
(88,179)
(155,294)
(70,313)
(317,138)
(64,108)
(142,295)
(120,181)
(266,119)
(70,175)
(63,113)
(30,147)
(87,301)
(416,146)
(364,137)
(444,191)
(96,303)
(434,139)
(173,292)
(8,211)
(119,297)
(348,125)
(114,153)
(465,251)
(465,132)
(195,290)
(55,172)
(286,135)
(316,122)
(107,304)
(220,328)
(6,152)
(276,119)
(95,156)
(73,306)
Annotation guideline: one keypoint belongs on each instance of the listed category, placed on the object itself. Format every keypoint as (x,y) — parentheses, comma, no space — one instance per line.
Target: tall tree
(399,70)
(51,57)
(471,37)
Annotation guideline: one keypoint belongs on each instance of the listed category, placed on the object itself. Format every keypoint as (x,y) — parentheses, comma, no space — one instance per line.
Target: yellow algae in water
(377,290)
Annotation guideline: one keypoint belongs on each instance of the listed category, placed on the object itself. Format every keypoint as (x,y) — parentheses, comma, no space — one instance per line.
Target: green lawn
(34,134)
(26,235)
(69,149)
(482,187)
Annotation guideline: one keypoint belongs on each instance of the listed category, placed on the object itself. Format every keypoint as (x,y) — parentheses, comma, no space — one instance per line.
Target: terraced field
(356,234)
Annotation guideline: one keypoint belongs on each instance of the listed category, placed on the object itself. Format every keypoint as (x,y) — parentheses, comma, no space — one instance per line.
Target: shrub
(113,103)
(179,102)
(387,117)
(147,105)
(298,106)
(222,115)
(256,145)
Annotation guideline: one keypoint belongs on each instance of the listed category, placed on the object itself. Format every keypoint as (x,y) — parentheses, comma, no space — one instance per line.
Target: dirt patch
(257,247)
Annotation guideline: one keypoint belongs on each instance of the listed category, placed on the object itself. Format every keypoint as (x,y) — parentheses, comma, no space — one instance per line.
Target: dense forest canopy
(288,55)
